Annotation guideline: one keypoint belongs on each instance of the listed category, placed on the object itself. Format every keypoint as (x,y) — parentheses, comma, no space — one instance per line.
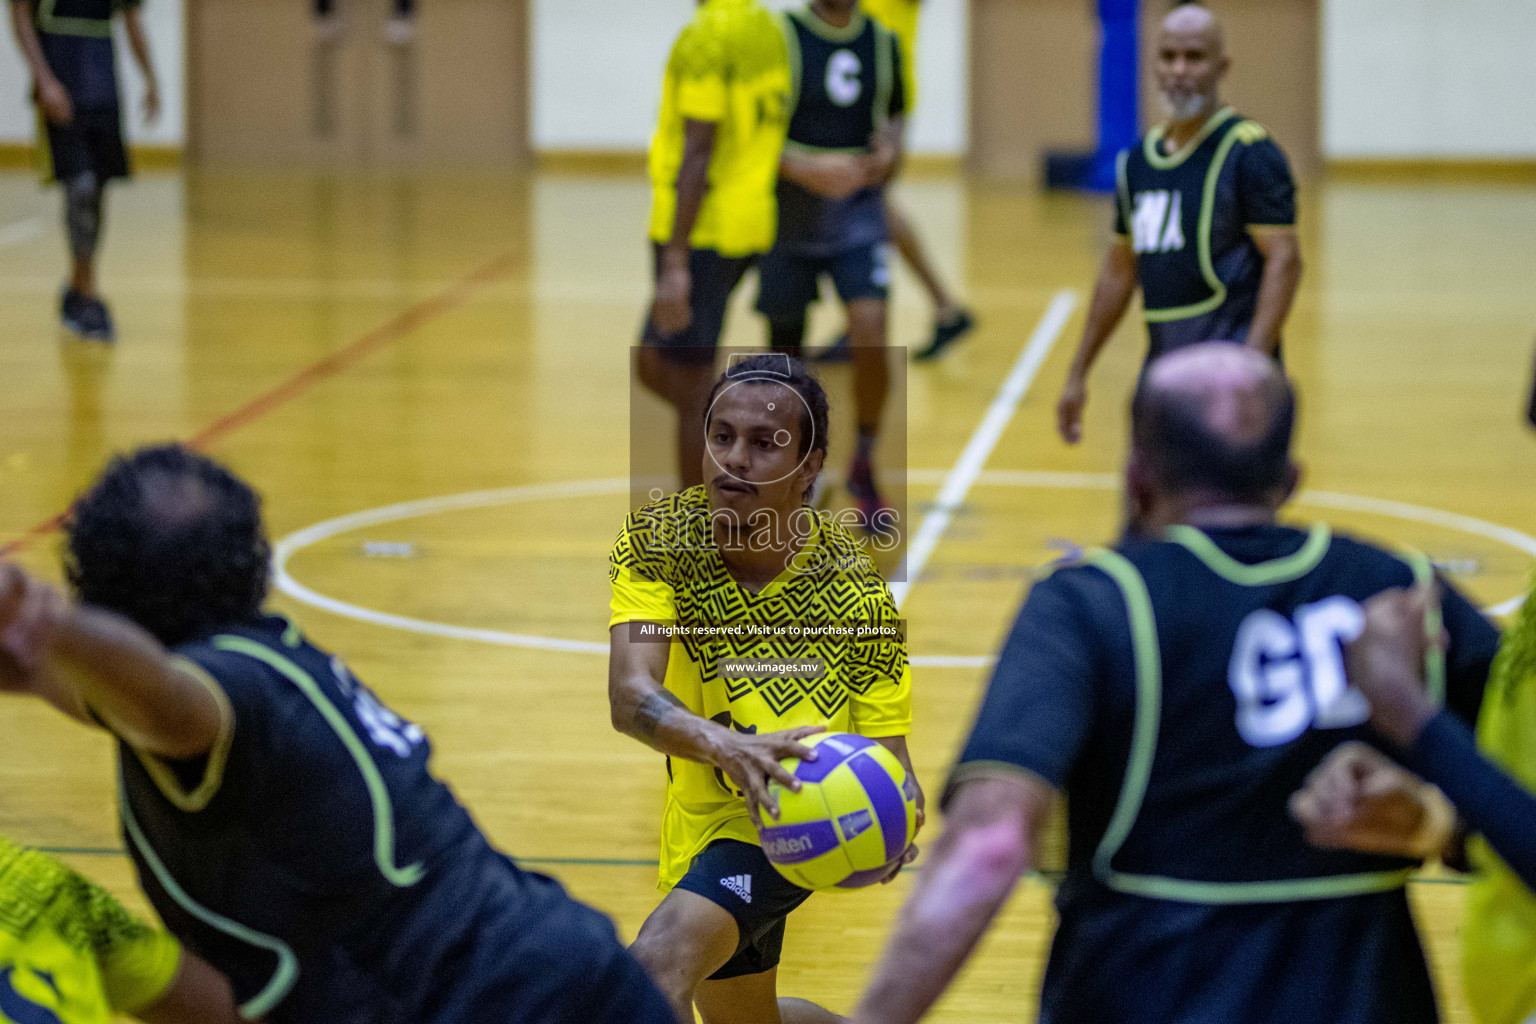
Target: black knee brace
(82,213)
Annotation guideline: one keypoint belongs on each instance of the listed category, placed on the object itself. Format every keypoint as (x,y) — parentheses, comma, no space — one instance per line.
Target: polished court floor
(353,342)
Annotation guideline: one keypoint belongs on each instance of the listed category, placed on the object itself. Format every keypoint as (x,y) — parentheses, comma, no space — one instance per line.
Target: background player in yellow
(743,549)
(70,954)
(951,320)
(713,164)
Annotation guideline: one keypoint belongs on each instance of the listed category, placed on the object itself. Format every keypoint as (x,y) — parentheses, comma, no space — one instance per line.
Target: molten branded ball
(854,817)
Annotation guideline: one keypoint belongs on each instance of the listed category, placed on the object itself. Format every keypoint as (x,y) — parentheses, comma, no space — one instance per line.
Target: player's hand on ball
(749,761)
(906,858)
(1358,799)
(30,612)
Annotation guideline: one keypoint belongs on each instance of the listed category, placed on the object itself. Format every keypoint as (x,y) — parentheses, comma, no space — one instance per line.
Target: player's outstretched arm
(1111,295)
(100,668)
(1277,289)
(991,828)
(642,707)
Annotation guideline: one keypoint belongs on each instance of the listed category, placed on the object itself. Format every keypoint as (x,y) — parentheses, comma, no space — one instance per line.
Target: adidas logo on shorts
(741,885)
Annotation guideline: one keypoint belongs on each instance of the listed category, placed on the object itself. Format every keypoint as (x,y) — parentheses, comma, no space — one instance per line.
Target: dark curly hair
(777,368)
(170,539)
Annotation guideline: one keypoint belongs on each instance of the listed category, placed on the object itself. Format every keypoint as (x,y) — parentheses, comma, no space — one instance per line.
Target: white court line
(974,458)
(21,231)
(290,545)
(294,542)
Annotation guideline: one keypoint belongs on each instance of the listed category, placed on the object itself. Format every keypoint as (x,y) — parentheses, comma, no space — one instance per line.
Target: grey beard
(1184,108)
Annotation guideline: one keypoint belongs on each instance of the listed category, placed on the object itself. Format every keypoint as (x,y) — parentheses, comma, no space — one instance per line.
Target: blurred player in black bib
(1205,220)
(283,821)
(848,98)
(1178,689)
(67,45)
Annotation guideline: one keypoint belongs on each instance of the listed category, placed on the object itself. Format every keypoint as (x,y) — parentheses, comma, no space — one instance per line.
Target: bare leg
(871,375)
(802,1011)
(945,308)
(748,999)
(685,940)
(685,387)
(751,1000)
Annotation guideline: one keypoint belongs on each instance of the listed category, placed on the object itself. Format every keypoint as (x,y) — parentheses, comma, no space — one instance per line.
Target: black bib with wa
(1187,216)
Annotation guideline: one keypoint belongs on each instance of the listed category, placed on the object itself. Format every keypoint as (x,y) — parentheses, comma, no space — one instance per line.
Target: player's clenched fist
(30,612)
(749,761)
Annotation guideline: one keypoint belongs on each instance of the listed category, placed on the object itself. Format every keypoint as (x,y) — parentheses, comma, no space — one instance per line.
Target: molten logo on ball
(850,822)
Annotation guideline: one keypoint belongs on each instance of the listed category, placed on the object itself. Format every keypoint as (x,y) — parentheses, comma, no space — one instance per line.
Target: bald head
(1197,24)
(1191,60)
(1216,416)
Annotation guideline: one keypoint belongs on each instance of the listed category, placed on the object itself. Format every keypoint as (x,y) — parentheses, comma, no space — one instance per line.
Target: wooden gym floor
(355,341)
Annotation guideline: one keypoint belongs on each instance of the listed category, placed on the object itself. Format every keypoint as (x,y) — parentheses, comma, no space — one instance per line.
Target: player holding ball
(745,550)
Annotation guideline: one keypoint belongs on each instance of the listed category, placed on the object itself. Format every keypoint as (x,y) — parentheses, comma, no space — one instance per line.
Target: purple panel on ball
(885,796)
(855,824)
(830,753)
(859,879)
(794,844)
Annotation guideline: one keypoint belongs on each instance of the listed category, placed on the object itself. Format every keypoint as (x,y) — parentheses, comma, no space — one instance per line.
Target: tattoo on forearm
(654,710)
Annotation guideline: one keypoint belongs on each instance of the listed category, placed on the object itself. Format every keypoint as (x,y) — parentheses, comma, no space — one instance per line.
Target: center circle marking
(284,550)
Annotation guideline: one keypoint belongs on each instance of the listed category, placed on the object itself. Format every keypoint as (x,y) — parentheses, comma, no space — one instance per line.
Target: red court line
(393,330)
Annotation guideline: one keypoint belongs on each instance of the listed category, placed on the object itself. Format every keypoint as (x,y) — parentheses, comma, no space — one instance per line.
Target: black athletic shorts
(715,277)
(92,142)
(738,877)
(788,280)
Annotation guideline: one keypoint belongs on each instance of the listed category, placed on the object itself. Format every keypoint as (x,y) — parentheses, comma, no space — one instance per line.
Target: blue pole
(1119,87)
(1119,113)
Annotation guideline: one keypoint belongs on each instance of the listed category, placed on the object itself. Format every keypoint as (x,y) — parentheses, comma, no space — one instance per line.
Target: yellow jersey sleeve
(701,68)
(636,598)
(138,963)
(880,687)
(884,708)
(637,571)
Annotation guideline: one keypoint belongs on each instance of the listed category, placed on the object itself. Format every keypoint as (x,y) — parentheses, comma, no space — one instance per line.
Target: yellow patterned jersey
(69,952)
(729,66)
(827,623)
(900,16)
(1499,940)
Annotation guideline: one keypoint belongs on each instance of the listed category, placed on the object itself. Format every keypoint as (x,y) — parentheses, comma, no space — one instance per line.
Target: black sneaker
(840,351)
(95,321)
(71,311)
(946,334)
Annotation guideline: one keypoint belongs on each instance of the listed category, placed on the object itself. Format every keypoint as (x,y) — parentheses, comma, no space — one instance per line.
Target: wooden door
(265,90)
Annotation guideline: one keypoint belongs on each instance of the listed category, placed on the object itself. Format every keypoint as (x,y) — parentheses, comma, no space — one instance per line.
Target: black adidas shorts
(738,877)
(714,278)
